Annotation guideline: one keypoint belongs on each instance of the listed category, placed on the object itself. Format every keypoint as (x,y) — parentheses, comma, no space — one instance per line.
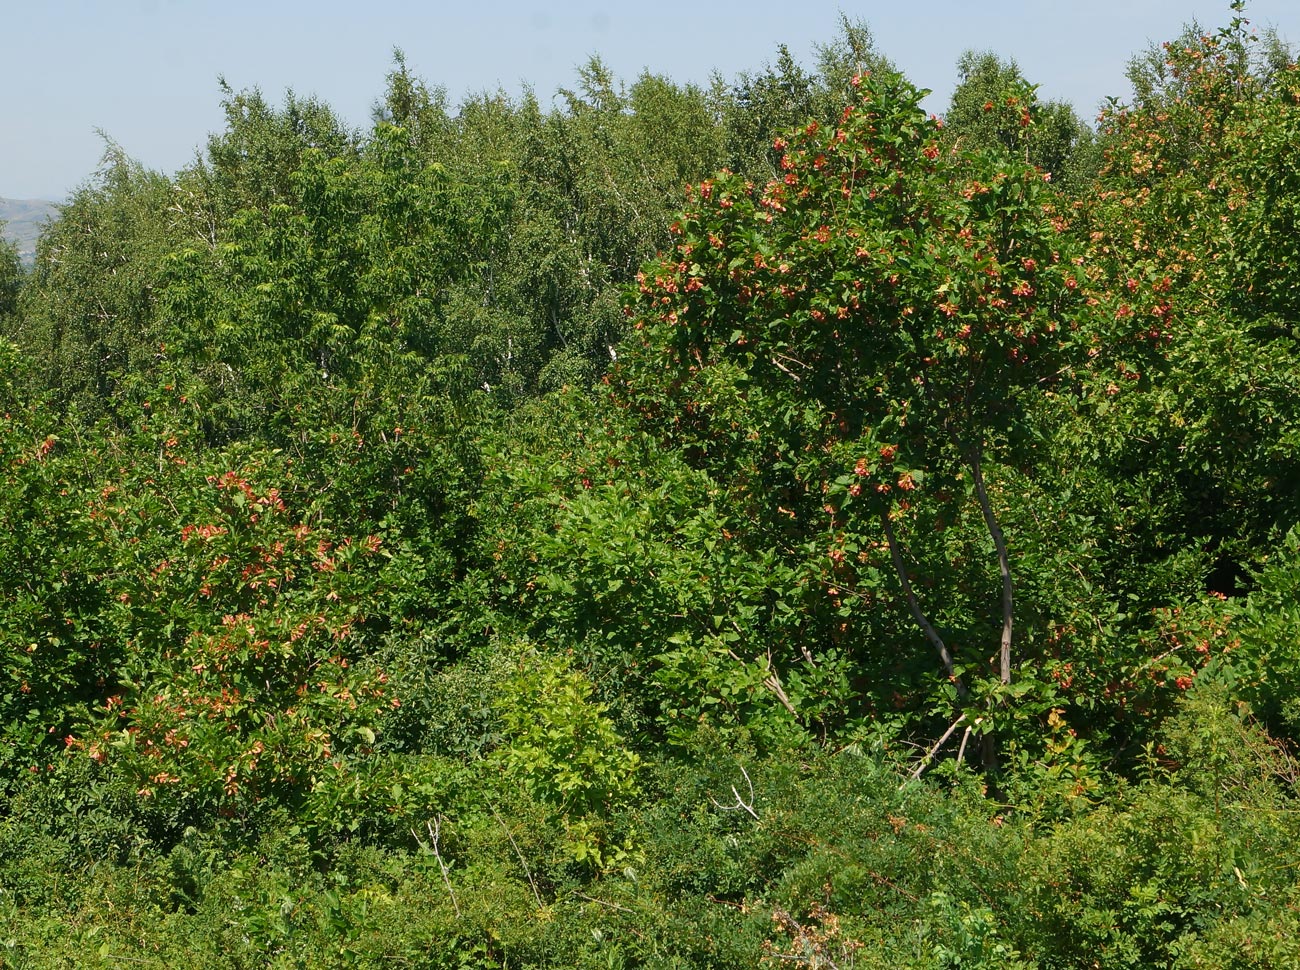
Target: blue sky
(145,71)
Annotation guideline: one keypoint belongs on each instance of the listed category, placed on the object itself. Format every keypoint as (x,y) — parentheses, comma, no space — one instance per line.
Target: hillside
(23,220)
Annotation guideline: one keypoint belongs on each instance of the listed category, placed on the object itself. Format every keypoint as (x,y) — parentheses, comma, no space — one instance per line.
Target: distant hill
(23,220)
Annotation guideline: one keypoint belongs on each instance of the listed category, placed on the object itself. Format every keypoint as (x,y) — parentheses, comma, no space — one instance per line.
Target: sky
(145,72)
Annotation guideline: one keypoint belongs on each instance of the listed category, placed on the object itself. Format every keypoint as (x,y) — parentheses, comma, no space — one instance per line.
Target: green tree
(245,617)
(250,164)
(1174,439)
(1191,227)
(56,656)
(413,106)
(760,105)
(993,106)
(11,277)
(88,308)
(859,334)
(597,537)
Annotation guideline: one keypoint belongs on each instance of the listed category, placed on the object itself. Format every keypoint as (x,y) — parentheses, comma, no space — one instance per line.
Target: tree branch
(773,683)
(522,861)
(929,755)
(931,634)
(435,832)
(1004,563)
(741,804)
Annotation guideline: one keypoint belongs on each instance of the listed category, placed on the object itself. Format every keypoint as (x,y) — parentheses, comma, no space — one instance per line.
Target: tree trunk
(931,634)
(974,457)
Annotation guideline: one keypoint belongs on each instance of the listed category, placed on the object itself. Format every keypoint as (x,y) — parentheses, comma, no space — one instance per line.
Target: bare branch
(522,861)
(788,372)
(601,902)
(929,755)
(773,683)
(740,802)
(435,831)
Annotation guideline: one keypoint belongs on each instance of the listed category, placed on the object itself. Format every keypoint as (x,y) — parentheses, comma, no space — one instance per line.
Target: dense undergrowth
(452,545)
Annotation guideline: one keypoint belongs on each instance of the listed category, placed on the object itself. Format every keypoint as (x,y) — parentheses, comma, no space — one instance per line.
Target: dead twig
(961,750)
(787,371)
(740,802)
(773,683)
(929,755)
(602,902)
(435,831)
(522,861)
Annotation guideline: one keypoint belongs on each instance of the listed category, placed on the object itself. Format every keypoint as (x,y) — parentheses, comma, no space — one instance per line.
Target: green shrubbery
(739,858)
(916,588)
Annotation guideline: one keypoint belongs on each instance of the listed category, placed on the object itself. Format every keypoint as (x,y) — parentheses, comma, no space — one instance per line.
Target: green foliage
(57,651)
(602,540)
(855,336)
(411,105)
(348,617)
(940,282)
(824,867)
(560,745)
(245,619)
(558,741)
(1254,652)
(309,306)
(994,107)
(761,105)
(1192,449)
(1262,201)
(11,278)
(1146,880)
(250,165)
(88,310)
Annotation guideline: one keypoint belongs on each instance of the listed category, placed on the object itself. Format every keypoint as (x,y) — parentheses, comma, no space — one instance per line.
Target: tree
(857,336)
(245,617)
(760,105)
(88,306)
(412,105)
(992,105)
(1173,437)
(250,165)
(55,649)
(11,276)
(1193,225)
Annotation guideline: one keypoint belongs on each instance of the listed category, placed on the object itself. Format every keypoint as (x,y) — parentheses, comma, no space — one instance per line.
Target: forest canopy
(762,524)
